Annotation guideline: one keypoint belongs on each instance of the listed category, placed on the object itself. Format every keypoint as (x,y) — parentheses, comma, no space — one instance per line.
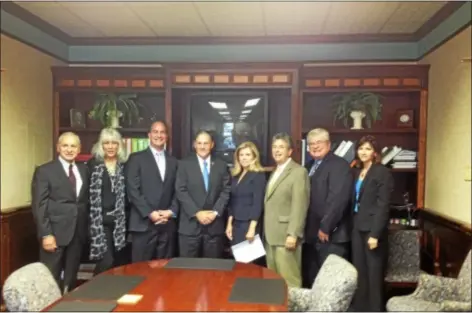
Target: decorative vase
(357,117)
(114,118)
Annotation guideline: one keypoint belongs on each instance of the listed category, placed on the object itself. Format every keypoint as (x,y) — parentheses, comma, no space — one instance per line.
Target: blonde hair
(318,133)
(255,166)
(109,134)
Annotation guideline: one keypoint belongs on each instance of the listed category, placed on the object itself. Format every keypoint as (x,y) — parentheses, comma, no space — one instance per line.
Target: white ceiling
(193,18)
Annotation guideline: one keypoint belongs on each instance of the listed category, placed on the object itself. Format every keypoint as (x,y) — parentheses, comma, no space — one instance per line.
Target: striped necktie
(314,167)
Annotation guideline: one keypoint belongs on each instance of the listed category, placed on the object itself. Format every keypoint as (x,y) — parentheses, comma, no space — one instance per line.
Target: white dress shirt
(75,170)
(160,158)
(278,171)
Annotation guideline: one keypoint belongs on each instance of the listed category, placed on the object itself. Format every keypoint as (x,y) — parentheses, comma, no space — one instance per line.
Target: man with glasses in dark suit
(328,229)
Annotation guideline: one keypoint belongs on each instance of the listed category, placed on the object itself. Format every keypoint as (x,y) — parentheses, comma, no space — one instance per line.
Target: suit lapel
(198,172)
(366,180)
(168,166)
(282,176)
(213,180)
(153,164)
(83,175)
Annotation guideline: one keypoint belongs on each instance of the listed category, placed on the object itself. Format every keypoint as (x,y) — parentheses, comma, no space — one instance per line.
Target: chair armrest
(435,288)
(299,299)
(456,306)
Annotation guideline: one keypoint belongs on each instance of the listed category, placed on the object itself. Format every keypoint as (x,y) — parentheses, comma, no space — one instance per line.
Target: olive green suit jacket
(286,204)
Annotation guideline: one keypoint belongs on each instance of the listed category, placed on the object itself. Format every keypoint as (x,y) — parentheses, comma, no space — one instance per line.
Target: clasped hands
(206,217)
(160,216)
(49,243)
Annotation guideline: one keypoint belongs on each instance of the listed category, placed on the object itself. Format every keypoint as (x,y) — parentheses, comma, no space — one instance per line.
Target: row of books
(135,144)
(399,158)
(395,156)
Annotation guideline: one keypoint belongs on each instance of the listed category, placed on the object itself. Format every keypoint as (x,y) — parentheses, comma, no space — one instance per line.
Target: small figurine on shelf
(109,108)
(357,105)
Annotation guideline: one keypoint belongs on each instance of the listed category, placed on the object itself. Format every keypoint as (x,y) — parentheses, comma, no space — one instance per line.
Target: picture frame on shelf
(404,118)
(77,118)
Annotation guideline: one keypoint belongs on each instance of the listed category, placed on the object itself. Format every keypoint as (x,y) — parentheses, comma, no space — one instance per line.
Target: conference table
(164,288)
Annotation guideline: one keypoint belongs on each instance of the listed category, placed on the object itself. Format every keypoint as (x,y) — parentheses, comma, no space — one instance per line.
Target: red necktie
(72,179)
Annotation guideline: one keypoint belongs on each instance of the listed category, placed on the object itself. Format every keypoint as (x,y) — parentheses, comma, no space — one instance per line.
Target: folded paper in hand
(246,251)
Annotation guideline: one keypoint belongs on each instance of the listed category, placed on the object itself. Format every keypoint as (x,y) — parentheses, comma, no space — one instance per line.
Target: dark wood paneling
(109,78)
(365,77)
(19,241)
(445,243)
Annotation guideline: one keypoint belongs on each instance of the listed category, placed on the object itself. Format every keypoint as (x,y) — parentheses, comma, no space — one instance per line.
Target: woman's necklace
(111,169)
(364,172)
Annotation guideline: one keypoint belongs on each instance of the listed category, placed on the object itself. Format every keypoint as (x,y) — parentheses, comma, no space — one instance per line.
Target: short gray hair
(109,134)
(319,133)
(285,137)
(68,134)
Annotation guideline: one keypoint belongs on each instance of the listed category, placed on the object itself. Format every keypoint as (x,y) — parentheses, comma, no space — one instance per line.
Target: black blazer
(56,209)
(330,196)
(146,190)
(193,197)
(374,201)
(247,197)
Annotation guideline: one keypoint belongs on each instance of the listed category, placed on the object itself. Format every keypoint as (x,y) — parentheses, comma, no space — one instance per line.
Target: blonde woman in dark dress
(247,194)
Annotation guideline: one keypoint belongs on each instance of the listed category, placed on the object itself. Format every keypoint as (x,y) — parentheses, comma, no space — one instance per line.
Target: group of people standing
(167,208)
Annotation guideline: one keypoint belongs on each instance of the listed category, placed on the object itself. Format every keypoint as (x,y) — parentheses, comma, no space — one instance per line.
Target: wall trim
(445,24)
(447,10)
(452,222)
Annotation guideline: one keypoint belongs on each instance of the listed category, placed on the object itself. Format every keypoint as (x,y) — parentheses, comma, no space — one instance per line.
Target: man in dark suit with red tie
(59,204)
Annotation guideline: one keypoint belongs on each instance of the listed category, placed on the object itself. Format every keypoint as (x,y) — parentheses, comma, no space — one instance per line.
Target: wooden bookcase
(401,88)
(77,88)
(299,100)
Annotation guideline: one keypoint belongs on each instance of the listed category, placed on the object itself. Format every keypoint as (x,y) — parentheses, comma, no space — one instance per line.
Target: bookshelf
(300,99)
(74,93)
(402,89)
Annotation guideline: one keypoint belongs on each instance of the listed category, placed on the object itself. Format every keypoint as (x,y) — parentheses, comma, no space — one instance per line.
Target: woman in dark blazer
(107,200)
(247,194)
(372,192)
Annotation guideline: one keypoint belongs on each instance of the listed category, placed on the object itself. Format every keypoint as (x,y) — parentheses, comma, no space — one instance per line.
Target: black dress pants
(202,245)
(109,258)
(64,258)
(158,242)
(315,254)
(371,266)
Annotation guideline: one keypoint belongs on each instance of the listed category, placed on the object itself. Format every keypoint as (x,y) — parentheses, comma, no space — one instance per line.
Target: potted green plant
(357,105)
(110,107)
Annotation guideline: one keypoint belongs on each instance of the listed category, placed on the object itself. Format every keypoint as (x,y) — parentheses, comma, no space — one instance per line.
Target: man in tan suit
(286,204)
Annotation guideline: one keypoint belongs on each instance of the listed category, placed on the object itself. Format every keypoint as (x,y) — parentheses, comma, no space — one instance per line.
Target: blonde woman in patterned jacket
(107,200)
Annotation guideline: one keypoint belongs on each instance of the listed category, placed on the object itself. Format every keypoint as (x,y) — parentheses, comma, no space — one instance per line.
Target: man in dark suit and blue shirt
(203,189)
(328,225)
(59,205)
(150,185)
